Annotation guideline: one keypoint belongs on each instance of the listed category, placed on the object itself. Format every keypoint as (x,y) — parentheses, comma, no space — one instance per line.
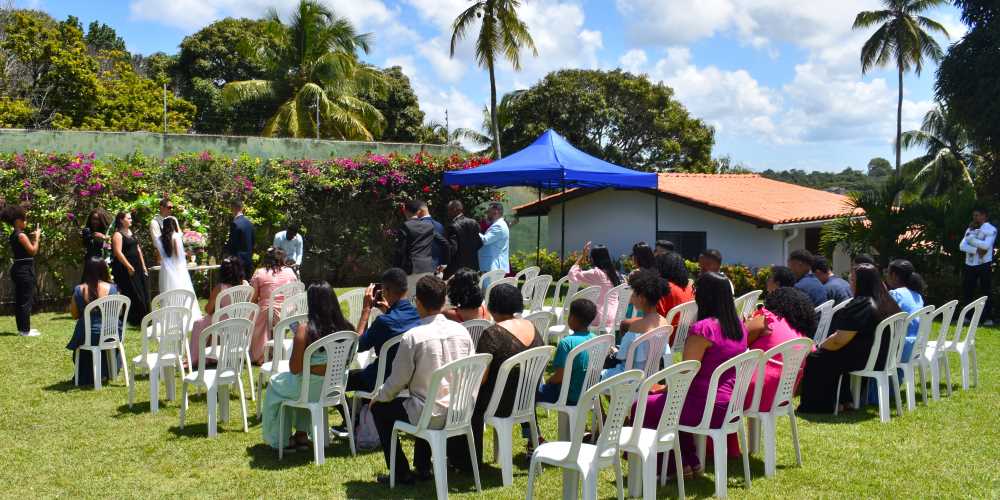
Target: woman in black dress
(94,234)
(129,268)
(22,272)
(848,348)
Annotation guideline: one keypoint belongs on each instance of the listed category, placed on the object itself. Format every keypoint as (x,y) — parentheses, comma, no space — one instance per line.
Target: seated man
(800,262)
(425,348)
(837,288)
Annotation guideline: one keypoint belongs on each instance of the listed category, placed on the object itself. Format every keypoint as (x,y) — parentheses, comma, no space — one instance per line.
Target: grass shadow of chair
(264,457)
(65,386)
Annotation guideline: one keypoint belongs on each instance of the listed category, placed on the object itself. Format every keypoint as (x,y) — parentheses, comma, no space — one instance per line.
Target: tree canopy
(399,106)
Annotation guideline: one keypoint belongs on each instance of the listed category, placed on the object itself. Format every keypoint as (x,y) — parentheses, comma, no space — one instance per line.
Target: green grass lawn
(58,440)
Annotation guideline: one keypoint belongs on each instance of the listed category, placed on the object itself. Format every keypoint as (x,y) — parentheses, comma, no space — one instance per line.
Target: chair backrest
(596,350)
(287,290)
(294,305)
(476,327)
(114,309)
(622,293)
(591,293)
(557,295)
(340,349)
(840,306)
(686,313)
(824,312)
(789,355)
(538,288)
(895,327)
(976,307)
(167,327)
(542,321)
(745,365)
(678,379)
(923,317)
(283,328)
(655,341)
(245,310)
(383,359)
(744,303)
(233,295)
(489,277)
(530,366)
(621,389)
(233,339)
(461,380)
(493,284)
(174,298)
(355,300)
(527,273)
(944,314)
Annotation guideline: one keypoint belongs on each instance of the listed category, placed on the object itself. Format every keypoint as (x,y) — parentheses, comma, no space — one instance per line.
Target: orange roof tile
(751,197)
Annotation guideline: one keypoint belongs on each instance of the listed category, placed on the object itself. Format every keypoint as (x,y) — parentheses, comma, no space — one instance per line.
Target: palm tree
(901,39)
(485,136)
(501,33)
(950,154)
(316,75)
(876,222)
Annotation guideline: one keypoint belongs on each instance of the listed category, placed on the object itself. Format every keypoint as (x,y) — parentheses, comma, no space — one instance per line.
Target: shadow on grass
(66,386)
(263,457)
(9,334)
(863,414)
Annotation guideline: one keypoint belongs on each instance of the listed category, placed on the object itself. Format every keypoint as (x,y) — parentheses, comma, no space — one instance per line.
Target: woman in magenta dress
(230,275)
(272,274)
(787,314)
(603,274)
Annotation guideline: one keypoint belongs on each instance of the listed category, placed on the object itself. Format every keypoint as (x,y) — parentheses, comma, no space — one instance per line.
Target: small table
(205,268)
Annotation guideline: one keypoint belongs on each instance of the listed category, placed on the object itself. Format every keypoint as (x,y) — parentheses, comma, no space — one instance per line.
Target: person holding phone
(22,271)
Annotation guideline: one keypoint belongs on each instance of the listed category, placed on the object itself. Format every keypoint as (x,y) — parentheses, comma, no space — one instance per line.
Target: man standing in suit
(495,253)
(463,240)
(414,248)
(439,250)
(156,224)
(241,237)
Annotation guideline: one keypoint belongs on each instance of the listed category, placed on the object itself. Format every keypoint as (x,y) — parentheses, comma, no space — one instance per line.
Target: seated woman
(273,273)
(325,317)
(787,314)
(466,297)
(715,338)
(906,287)
(230,275)
(603,274)
(647,291)
(509,337)
(848,348)
(96,284)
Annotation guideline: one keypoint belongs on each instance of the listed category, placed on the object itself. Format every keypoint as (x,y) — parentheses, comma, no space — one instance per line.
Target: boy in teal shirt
(581,314)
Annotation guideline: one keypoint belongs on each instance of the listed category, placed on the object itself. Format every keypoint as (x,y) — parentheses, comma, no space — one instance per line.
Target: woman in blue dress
(906,287)
(96,284)
(325,317)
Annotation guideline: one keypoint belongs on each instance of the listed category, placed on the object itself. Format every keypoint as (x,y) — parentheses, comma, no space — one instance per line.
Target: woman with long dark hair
(603,274)
(22,271)
(906,287)
(848,348)
(325,317)
(173,266)
(672,268)
(128,266)
(272,273)
(643,257)
(96,284)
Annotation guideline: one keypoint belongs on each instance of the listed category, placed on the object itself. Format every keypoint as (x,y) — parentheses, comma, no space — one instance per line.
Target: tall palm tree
(900,39)
(951,156)
(316,75)
(501,33)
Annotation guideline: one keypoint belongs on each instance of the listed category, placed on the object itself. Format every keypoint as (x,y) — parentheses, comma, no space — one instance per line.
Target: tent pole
(538,234)
(656,217)
(562,228)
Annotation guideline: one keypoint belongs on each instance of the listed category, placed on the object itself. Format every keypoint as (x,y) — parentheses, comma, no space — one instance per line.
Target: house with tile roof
(752,220)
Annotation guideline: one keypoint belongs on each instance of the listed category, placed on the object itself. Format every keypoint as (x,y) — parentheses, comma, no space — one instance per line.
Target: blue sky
(779,79)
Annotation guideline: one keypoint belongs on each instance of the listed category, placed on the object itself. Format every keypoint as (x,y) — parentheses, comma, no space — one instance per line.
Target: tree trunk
(493,111)
(899,124)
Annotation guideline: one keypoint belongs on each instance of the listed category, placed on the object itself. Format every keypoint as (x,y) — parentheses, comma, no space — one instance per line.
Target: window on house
(687,243)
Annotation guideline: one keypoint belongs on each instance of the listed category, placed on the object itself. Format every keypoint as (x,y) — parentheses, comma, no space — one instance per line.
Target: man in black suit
(241,237)
(414,251)
(463,239)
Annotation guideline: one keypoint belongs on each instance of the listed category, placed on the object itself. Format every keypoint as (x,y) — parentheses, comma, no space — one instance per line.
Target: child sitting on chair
(581,314)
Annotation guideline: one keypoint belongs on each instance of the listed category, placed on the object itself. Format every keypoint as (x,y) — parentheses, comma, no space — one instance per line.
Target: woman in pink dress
(787,314)
(230,275)
(603,274)
(272,274)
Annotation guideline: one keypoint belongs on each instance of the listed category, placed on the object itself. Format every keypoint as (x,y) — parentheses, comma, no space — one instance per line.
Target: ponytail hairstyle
(907,275)
(167,235)
(601,259)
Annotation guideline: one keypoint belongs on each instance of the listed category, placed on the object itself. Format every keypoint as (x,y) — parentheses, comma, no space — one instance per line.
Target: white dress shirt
(291,247)
(976,240)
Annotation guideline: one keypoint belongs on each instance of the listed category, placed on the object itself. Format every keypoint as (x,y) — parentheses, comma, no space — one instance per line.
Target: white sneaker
(31,333)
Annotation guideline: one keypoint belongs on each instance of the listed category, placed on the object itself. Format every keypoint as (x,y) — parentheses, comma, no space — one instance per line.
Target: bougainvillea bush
(347,207)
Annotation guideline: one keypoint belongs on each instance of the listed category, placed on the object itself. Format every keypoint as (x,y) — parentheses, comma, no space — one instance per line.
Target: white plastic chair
(530,366)
(235,294)
(934,355)
(542,321)
(174,298)
(165,326)
(896,327)
(461,379)
(489,277)
(494,283)
(577,458)
(355,300)
(793,352)
(623,293)
(912,366)
(534,291)
(559,299)
(654,341)
(964,345)
(382,360)
(233,336)
(278,297)
(556,333)
(527,273)
(276,360)
(824,312)
(113,310)
(340,349)
(643,445)
(245,310)
(597,350)
(745,303)
(294,306)
(685,314)
(476,327)
(745,365)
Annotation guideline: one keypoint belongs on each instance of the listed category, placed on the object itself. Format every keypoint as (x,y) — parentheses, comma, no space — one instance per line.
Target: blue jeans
(547,393)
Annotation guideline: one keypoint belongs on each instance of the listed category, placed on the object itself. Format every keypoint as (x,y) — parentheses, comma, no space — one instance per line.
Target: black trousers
(386,415)
(976,283)
(23,276)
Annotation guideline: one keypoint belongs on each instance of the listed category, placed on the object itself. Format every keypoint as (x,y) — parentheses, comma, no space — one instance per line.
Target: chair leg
(121,349)
(184,401)
(243,405)
(721,478)
(922,369)
(532,465)
(699,446)
(131,390)
(249,368)
(154,390)
(439,463)
(637,480)
(282,438)
(224,403)
(392,458)
(894,381)
(171,381)
(76,367)
(319,457)
(973,366)
(911,386)
(882,384)
(964,359)
(589,485)
(259,399)
(503,450)
(618,478)
(753,434)
(533,430)
(935,379)
(96,368)
(947,372)
(741,436)
(795,437)
(571,480)
(213,401)
(472,458)
(679,468)
(770,444)
(349,422)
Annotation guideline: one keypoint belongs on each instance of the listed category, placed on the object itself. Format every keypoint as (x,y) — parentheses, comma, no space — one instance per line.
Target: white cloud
(675,21)
(440,12)
(437,52)
(633,60)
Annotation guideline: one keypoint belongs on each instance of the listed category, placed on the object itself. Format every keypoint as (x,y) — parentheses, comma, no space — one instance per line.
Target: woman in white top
(173,266)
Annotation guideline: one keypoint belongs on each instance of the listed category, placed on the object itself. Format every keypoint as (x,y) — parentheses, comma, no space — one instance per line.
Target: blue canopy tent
(551,162)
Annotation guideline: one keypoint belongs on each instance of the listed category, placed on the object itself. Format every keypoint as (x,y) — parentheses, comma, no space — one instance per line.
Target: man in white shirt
(978,247)
(290,240)
(423,349)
